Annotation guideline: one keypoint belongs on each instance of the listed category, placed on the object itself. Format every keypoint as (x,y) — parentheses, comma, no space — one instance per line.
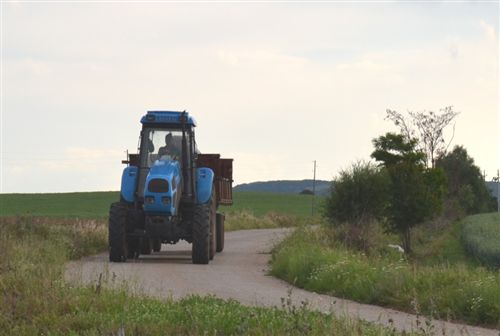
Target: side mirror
(151,146)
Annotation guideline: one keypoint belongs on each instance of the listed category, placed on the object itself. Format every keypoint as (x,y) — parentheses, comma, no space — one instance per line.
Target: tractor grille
(158,186)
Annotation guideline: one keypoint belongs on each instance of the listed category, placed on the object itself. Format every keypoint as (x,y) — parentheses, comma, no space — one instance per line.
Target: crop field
(82,204)
(481,237)
(96,204)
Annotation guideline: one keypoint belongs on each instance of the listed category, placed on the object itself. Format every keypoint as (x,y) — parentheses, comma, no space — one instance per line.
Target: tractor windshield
(164,144)
(160,144)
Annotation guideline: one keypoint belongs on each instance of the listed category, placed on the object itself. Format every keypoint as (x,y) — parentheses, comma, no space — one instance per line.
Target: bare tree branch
(427,127)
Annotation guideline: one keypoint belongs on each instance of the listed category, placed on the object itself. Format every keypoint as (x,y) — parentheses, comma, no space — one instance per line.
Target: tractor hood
(162,188)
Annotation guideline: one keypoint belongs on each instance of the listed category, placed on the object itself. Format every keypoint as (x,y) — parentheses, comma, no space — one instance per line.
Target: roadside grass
(481,237)
(313,259)
(35,299)
(439,242)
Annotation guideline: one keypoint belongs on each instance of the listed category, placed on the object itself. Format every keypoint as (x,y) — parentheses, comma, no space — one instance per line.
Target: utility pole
(314,189)
(498,191)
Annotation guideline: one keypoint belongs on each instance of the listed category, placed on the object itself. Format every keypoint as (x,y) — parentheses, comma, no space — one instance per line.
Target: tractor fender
(204,184)
(129,183)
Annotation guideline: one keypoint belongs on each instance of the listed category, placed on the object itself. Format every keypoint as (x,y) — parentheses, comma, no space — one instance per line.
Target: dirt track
(239,273)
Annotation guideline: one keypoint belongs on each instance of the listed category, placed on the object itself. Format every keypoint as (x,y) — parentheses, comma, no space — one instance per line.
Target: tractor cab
(167,152)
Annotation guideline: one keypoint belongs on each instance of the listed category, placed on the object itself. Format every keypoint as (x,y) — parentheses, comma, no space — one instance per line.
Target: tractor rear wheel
(156,245)
(201,234)
(133,244)
(220,232)
(117,233)
(146,246)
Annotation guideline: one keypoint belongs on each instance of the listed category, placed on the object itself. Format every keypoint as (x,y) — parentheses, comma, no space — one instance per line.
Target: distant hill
(285,186)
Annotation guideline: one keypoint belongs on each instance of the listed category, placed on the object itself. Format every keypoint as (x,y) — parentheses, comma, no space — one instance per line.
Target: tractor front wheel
(117,233)
(201,234)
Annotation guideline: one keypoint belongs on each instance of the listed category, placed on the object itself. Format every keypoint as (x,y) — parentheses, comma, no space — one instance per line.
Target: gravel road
(240,273)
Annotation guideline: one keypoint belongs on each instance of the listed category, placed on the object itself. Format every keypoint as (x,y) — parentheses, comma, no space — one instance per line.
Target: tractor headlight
(150,199)
(165,200)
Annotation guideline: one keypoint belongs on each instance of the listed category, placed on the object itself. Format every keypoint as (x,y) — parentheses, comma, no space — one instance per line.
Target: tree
(465,183)
(428,128)
(415,192)
(358,195)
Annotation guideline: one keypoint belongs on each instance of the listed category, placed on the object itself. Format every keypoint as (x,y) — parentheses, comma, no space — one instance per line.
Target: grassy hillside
(96,204)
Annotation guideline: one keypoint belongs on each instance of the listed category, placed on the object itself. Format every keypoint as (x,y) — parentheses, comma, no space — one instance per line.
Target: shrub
(358,195)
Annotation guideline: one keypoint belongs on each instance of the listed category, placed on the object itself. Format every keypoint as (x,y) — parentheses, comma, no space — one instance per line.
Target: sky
(274,85)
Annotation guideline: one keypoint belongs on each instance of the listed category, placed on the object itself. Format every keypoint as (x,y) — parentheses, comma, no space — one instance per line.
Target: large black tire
(213,220)
(220,232)
(117,233)
(133,247)
(156,245)
(201,234)
(146,245)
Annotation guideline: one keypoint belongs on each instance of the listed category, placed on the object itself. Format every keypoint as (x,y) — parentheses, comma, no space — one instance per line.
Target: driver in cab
(169,149)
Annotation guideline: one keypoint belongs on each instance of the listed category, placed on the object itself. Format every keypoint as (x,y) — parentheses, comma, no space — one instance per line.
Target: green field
(481,237)
(96,204)
(263,203)
(82,204)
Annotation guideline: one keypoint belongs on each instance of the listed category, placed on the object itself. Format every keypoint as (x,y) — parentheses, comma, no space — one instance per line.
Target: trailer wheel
(117,233)
(201,234)
(213,220)
(220,232)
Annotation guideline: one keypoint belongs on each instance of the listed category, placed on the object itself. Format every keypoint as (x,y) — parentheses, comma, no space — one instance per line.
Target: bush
(358,195)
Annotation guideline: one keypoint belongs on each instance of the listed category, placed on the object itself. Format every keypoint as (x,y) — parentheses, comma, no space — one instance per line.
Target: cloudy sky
(272,85)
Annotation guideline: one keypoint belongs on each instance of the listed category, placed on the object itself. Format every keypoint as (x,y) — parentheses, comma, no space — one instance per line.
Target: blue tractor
(170,191)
